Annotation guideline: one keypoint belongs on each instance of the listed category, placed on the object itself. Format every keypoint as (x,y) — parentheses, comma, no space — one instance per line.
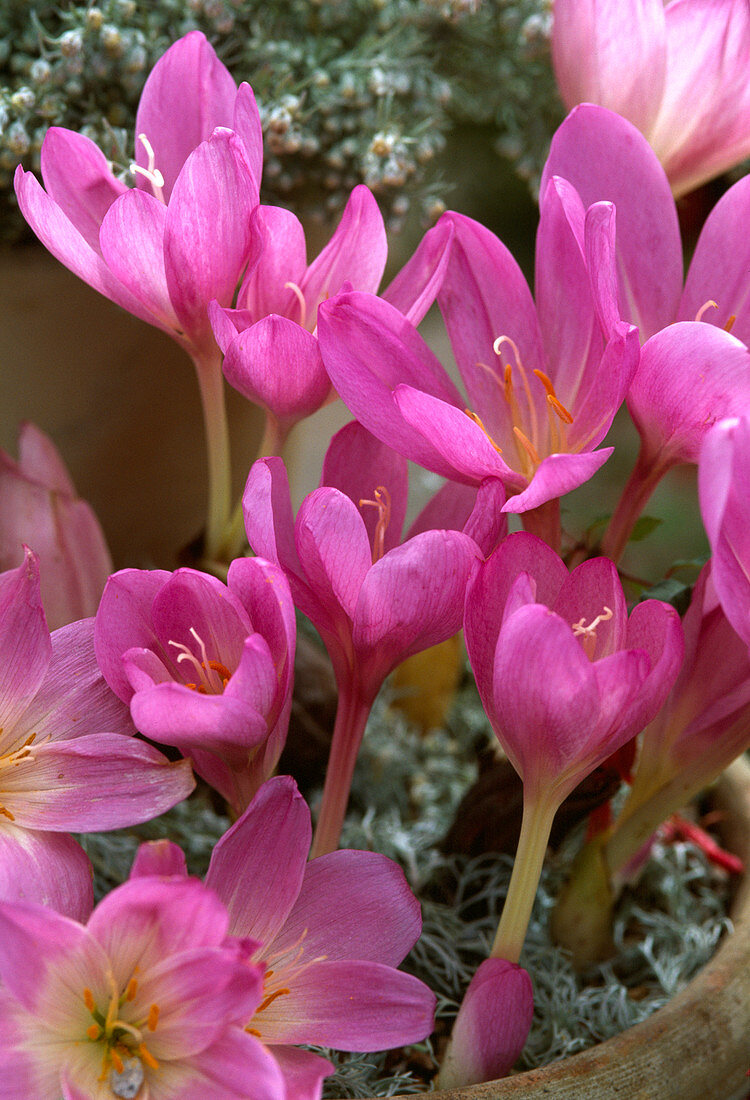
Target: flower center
(382,502)
(212,676)
(151,173)
(125,1052)
(587,634)
(269,998)
(13,759)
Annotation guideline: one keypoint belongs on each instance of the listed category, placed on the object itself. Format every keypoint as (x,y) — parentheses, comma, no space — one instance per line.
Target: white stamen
(710,304)
(301,299)
(152,173)
(587,634)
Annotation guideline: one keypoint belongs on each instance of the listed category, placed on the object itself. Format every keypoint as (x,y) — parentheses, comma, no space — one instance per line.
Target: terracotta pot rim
(693,1047)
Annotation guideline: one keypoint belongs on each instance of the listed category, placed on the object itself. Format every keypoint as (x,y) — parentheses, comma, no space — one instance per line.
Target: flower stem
(351,719)
(544,522)
(527,867)
(211,383)
(646,475)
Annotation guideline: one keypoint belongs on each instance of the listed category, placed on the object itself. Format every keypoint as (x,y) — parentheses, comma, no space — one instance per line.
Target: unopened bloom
(67,763)
(542,382)
(677,71)
(148,998)
(330,976)
(39,508)
(205,666)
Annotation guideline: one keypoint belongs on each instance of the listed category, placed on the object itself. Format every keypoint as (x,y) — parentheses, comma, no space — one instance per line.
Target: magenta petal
(614,55)
(248,125)
(591,587)
(655,628)
(447,510)
(175,715)
(356,253)
(188,93)
(222,1071)
(412,598)
(601,154)
(350,1005)
(491,1027)
(33,941)
(718,269)
(209,233)
(555,476)
(45,868)
(333,547)
(132,242)
(690,375)
(258,865)
(101,781)
(358,464)
(24,639)
(416,286)
(123,621)
(282,260)
(303,1071)
(60,237)
(158,857)
(376,917)
(597,405)
(277,365)
(79,180)
(193,601)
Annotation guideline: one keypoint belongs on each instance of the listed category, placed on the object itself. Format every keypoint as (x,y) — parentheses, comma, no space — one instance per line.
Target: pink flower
(39,508)
(271,353)
(374,601)
(542,383)
(148,998)
(677,71)
(205,666)
(566,677)
(59,772)
(331,932)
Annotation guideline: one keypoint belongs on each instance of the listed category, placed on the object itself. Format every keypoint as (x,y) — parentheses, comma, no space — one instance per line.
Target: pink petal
(101,781)
(349,1005)
(33,943)
(222,1071)
(606,389)
(333,547)
(24,640)
(555,476)
(158,857)
(282,260)
(175,715)
(193,601)
(132,242)
(123,621)
(247,124)
(258,865)
(591,587)
(40,461)
(611,54)
(303,1071)
(376,917)
(267,509)
(77,177)
(357,464)
(708,53)
(45,868)
(188,93)
(601,154)
(448,509)
(416,286)
(277,365)
(491,1027)
(209,234)
(356,253)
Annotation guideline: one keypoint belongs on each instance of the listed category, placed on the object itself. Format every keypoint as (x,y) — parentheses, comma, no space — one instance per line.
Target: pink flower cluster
(175,988)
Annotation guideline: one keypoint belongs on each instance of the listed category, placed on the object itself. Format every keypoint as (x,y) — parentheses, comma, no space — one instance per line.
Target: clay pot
(696,1046)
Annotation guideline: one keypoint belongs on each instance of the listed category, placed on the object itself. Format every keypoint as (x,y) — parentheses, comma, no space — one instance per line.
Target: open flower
(542,383)
(677,71)
(148,999)
(59,772)
(330,976)
(204,666)
(39,508)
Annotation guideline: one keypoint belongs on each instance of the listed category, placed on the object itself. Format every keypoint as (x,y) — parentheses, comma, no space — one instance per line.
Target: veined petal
(448,509)
(222,1072)
(555,476)
(376,917)
(606,389)
(77,177)
(282,260)
(24,642)
(100,781)
(247,124)
(586,592)
(708,53)
(357,464)
(187,94)
(209,234)
(416,286)
(333,547)
(277,365)
(123,622)
(158,857)
(267,508)
(193,601)
(257,867)
(223,724)
(132,244)
(47,869)
(60,237)
(601,154)
(718,269)
(303,1071)
(34,941)
(614,55)
(349,1005)
(356,253)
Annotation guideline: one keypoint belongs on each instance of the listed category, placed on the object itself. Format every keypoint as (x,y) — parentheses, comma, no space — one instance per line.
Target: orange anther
(473,416)
(131,989)
(270,999)
(88,999)
(147,1056)
(153,1018)
(117,1061)
(93,1032)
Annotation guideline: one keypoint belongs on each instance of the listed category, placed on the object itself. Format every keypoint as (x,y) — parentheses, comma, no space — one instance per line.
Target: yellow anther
(270,999)
(7,813)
